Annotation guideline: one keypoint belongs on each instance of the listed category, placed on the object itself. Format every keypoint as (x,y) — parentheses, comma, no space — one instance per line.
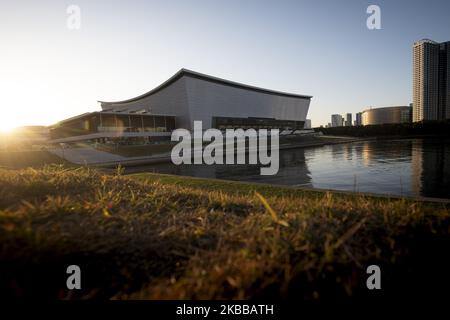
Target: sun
(6,128)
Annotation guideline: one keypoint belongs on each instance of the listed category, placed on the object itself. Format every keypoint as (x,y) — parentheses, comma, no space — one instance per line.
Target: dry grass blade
(350,232)
(272,212)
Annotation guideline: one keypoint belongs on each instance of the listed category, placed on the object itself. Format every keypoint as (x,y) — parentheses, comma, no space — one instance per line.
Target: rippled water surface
(419,167)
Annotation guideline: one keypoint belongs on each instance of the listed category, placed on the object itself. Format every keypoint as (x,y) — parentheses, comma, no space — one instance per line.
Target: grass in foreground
(155,237)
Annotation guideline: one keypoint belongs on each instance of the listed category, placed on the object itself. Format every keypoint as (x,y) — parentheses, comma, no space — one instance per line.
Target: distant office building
(348,120)
(336,120)
(431,80)
(358,120)
(396,114)
(307,124)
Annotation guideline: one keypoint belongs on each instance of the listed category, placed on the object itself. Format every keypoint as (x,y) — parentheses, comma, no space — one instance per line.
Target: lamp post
(62,145)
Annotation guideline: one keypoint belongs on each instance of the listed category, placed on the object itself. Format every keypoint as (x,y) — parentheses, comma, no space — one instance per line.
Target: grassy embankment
(157,236)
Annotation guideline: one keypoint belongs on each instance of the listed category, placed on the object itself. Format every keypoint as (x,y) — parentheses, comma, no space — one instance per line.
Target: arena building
(186,97)
(395,114)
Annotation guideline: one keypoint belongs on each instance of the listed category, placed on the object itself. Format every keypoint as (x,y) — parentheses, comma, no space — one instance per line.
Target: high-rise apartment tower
(431,80)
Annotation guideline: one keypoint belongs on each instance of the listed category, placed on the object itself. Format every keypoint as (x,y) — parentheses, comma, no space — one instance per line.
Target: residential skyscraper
(348,120)
(336,120)
(358,119)
(431,80)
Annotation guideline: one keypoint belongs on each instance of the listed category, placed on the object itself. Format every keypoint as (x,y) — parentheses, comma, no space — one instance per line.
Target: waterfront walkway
(95,157)
(91,156)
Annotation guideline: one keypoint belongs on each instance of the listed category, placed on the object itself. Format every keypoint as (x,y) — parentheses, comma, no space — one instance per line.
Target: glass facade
(107,122)
(255,123)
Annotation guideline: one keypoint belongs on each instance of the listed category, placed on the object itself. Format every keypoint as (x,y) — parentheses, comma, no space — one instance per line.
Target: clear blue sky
(125,48)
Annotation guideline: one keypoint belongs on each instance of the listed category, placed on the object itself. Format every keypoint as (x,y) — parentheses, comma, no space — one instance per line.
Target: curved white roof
(190,73)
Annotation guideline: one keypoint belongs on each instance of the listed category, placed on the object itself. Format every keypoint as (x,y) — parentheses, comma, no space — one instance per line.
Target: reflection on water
(419,167)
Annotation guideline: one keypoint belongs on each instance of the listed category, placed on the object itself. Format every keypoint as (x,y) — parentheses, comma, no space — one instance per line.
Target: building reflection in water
(293,170)
(365,153)
(398,167)
(431,168)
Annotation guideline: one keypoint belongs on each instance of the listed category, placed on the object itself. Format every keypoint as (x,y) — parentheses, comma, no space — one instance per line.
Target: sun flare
(6,127)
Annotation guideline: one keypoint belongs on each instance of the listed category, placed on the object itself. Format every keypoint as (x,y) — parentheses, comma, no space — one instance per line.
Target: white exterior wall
(172,101)
(307,124)
(209,99)
(191,99)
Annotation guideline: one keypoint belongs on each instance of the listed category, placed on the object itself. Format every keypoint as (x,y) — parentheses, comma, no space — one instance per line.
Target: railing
(131,129)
